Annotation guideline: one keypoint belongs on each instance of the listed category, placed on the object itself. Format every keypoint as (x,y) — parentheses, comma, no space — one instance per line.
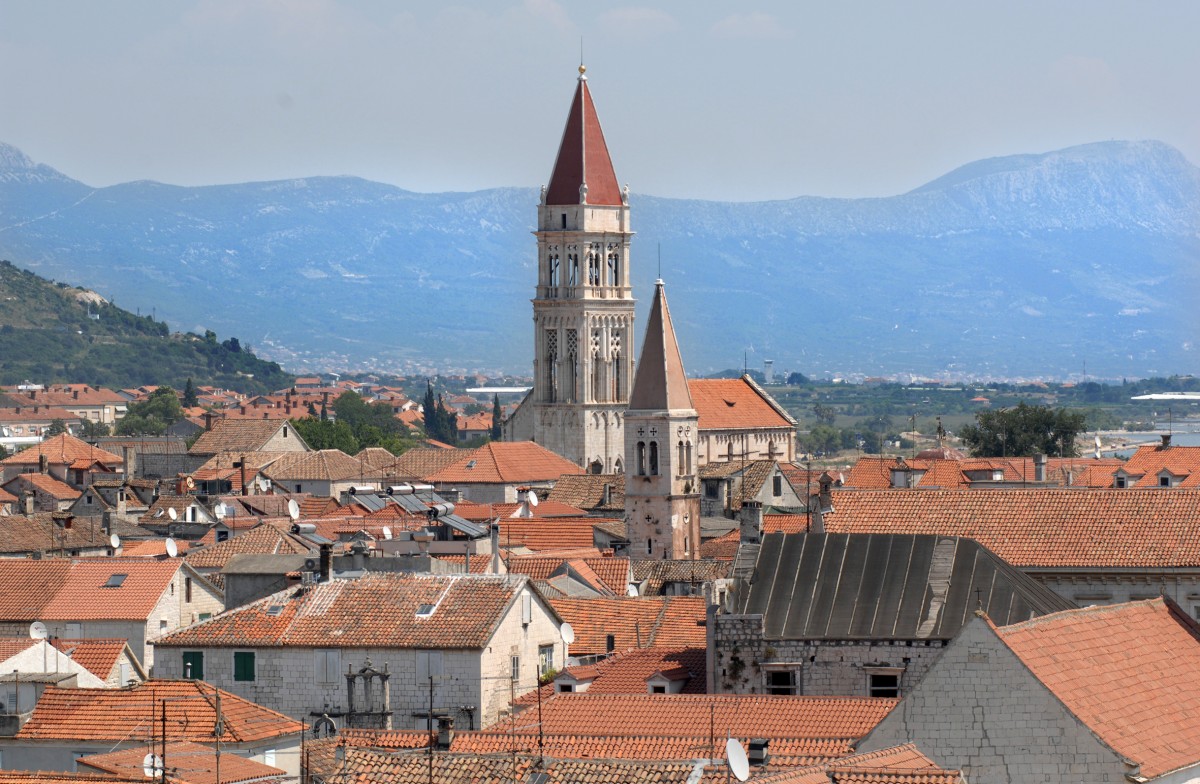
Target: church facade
(583,305)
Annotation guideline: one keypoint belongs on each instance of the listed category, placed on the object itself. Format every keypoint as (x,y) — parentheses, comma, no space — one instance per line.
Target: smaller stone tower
(662,498)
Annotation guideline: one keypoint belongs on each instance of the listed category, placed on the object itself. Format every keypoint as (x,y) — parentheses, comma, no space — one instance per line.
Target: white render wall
(44,657)
(979,709)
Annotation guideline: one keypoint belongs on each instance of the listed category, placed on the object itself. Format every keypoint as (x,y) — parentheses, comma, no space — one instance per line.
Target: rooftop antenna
(660,261)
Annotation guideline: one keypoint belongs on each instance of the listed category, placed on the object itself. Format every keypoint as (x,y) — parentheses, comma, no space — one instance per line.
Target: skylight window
(425,610)
(274,610)
(470,465)
(115,580)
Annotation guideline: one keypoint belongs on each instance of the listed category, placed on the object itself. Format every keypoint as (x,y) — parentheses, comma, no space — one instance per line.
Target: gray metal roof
(884,586)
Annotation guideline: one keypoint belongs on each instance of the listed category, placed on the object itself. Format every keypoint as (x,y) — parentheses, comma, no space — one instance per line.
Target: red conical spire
(583,157)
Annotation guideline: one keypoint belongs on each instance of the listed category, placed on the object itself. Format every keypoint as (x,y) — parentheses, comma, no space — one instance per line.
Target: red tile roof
(723,547)
(186,762)
(82,596)
(62,449)
(1128,671)
(634,622)
(583,157)
(690,715)
(1149,461)
(1039,528)
(626,672)
(374,611)
(260,540)
(553,533)
(611,574)
(505,462)
(729,403)
(98,656)
(44,483)
(133,713)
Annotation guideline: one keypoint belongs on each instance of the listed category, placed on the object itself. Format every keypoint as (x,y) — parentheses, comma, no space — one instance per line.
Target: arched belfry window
(680,466)
(552,278)
(654,458)
(688,457)
(572,387)
(640,457)
(573,269)
(593,264)
(614,268)
(551,365)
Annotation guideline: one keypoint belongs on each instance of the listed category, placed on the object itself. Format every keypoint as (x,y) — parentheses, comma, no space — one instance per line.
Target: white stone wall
(61,754)
(980,710)
(284,440)
(44,657)
(1084,588)
(743,659)
(514,638)
(175,611)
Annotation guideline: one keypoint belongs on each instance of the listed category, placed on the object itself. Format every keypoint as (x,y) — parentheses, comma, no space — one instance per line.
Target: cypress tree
(496,416)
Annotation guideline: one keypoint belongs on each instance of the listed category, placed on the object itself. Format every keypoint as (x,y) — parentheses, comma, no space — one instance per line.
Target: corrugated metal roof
(883,586)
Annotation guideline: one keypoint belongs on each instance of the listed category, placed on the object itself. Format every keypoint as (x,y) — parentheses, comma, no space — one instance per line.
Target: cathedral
(583,308)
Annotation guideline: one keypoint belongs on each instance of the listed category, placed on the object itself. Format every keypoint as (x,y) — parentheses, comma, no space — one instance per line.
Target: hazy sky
(746,100)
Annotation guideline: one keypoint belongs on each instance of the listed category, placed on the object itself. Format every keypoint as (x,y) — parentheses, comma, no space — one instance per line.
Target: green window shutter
(193,665)
(243,665)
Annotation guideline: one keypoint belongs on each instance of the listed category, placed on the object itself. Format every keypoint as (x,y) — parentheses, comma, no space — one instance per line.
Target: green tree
(323,434)
(189,395)
(497,416)
(90,429)
(1024,431)
(56,428)
(153,415)
(826,415)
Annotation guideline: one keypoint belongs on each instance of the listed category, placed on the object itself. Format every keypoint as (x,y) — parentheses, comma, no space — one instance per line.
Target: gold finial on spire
(582,69)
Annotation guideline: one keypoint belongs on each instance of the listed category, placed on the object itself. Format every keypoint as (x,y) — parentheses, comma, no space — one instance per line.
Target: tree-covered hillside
(51,332)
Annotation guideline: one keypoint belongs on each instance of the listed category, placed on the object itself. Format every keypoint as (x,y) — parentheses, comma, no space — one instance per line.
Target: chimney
(1039,468)
(606,494)
(208,418)
(75,394)
(326,561)
(495,537)
(1166,441)
(43,464)
(750,519)
(130,462)
(106,521)
(445,732)
(27,502)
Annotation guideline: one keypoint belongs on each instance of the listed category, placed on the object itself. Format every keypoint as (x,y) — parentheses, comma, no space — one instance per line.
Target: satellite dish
(171,513)
(572,661)
(159,513)
(735,755)
(1098,442)
(220,511)
(531,498)
(115,541)
(172,548)
(38,631)
(631,590)
(387,532)
(567,631)
(263,483)
(152,766)
(293,509)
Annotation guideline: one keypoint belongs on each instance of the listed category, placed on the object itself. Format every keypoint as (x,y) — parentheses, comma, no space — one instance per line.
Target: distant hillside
(1023,265)
(51,332)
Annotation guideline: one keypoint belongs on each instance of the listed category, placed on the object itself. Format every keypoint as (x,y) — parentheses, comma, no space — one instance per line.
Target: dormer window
(1164,480)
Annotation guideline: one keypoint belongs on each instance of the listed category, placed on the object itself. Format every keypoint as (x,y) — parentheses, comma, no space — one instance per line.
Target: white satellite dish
(531,498)
(567,631)
(735,755)
(387,532)
(631,590)
(152,766)
(263,483)
(293,509)
(172,548)
(220,511)
(159,513)
(171,513)
(115,541)
(38,631)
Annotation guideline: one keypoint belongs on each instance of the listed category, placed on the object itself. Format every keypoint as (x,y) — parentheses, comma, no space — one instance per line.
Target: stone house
(1102,694)
(248,435)
(134,599)
(494,472)
(728,485)
(325,472)
(857,615)
(65,458)
(739,421)
(476,640)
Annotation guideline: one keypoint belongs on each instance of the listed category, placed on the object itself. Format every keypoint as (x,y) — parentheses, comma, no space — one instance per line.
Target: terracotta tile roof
(634,622)
(260,540)
(729,403)
(331,465)
(723,547)
(895,765)
(83,595)
(44,484)
(133,713)
(1039,528)
(239,435)
(613,528)
(548,534)
(98,656)
(60,777)
(753,474)
(659,380)
(1149,461)
(1128,671)
(374,611)
(627,672)
(479,564)
(10,648)
(586,491)
(656,573)
(255,461)
(785,523)
(188,763)
(44,532)
(683,715)
(376,456)
(416,464)
(605,574)
(505,462)
(62,449)
(27,586)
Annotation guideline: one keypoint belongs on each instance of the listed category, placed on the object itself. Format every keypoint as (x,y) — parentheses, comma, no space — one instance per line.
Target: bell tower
(583,306)
(662,495)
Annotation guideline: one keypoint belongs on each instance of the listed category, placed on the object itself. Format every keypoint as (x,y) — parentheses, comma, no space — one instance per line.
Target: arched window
(688,457)
(619,466)
(573,269)
(552,279)
(640,456)
(680,466)
(654,458)
(551,365)
(614,269)
(731,451)
(572,386)
(616,378)
(597,379)
(593,263)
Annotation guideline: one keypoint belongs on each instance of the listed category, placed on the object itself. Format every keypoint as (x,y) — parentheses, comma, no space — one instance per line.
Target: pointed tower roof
(583,156)
(659,384)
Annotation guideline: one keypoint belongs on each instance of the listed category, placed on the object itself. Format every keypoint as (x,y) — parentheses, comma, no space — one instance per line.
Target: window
(564,221)
(187,589)
(566,688)
(641,458)
(114,581)
(515,672)
(1164,481)
(658,689)
(1120,481)
(298,488)
(74,631)
(654,458)
(781,682)
(269,757)
(610,641)
(328,665)
(285,435)
(883,684)
(223,535)
(545,658)
(162,627)
(205,616)
(243,665)
(193,665)
(777,485)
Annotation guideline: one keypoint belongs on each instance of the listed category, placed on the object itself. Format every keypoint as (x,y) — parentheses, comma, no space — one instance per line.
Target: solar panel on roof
(464,527)
(409,503)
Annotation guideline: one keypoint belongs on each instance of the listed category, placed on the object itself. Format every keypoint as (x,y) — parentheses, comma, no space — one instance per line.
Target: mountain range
(1080,261)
